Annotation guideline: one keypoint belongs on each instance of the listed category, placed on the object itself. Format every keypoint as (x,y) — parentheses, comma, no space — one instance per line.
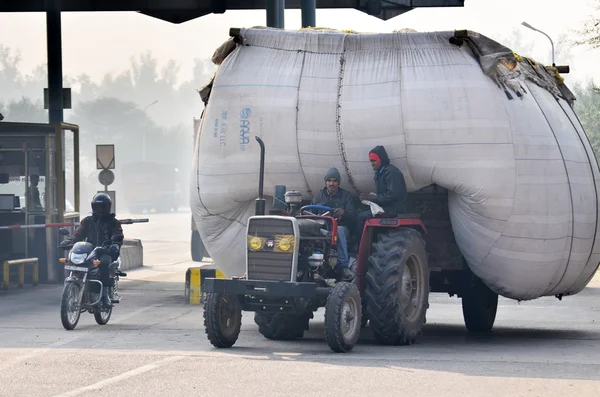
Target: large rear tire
(282,326)
(479,306)
(343,313)
(69,306)
(397,287)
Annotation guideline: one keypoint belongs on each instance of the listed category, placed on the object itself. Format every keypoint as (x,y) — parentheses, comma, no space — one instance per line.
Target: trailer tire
(479,306)
(197,246)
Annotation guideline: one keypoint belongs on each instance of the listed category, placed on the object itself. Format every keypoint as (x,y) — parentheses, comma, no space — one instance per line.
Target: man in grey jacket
(340,201)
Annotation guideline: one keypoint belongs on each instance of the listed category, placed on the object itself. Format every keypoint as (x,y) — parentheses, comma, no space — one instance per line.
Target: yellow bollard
(194,278)
(21,263)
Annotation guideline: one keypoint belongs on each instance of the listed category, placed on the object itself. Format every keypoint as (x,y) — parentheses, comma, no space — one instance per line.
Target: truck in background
(149,185)
(197,247)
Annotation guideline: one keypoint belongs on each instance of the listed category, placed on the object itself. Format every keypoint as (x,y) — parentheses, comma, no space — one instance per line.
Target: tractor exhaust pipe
(260,201)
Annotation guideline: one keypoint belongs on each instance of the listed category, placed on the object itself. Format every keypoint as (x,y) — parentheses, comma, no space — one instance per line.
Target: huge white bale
(498,134)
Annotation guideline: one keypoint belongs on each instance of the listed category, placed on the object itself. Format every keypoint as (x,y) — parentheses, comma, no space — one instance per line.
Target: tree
(24,110)
(590,33)
(587,107)
(13,83)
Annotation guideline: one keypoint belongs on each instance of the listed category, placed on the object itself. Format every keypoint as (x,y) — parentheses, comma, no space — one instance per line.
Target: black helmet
(101,204)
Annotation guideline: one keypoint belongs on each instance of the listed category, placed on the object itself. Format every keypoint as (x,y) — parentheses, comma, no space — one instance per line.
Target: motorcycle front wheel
(69,306)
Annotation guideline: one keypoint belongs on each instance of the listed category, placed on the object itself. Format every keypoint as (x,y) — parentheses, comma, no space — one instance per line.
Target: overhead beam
(179,11)
(54,54)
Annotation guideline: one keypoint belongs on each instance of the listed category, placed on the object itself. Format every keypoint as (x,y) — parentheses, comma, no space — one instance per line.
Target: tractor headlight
(77,259)
(255,243)
(284,243)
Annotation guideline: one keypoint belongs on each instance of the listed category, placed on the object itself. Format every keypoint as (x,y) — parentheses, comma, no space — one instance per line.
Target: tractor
(291,272)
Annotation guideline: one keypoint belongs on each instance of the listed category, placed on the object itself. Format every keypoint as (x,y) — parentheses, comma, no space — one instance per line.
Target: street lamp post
(144,135)
(539,31)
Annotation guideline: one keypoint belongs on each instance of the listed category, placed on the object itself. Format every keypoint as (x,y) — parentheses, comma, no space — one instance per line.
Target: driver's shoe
(105,298)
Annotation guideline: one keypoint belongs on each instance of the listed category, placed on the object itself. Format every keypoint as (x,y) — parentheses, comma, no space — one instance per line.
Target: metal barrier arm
(131,221)
(21,263)
(67,224)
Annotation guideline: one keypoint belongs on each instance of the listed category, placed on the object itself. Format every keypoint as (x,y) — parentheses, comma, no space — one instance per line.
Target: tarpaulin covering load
(454,109)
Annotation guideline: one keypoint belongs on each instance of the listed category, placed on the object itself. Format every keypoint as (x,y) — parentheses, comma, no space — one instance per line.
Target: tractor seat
(309,228)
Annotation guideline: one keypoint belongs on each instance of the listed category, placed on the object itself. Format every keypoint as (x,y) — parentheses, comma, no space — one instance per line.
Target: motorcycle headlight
(77,259)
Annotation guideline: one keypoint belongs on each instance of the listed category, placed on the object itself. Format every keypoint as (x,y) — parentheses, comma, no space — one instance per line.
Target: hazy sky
(97,43)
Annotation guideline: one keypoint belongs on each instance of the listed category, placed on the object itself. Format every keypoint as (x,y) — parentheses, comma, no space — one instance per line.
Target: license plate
(76,268)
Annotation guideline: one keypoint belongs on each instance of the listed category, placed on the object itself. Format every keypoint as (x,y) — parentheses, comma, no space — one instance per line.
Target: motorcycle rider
(98,228)
(340,201)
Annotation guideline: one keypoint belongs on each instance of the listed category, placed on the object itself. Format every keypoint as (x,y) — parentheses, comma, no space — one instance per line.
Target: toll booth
(39,188)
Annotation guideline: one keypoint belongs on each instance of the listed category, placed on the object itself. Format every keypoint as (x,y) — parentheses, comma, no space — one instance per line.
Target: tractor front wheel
(222,319)
(343,317)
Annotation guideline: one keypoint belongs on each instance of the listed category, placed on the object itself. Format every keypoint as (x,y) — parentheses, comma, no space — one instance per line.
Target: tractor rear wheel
(397,287)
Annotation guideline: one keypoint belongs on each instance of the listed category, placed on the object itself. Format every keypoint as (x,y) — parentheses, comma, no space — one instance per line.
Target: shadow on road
(552,348)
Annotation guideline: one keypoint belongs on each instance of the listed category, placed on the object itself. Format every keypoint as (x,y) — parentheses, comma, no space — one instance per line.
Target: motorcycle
(82,289)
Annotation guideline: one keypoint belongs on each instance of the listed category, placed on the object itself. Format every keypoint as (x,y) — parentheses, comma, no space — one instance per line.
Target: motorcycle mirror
(63,231)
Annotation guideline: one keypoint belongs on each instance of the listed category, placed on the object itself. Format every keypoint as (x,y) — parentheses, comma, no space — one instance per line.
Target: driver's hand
(338,213)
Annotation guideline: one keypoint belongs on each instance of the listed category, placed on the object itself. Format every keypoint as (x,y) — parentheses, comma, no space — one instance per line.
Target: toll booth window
(22,174)
(12,186)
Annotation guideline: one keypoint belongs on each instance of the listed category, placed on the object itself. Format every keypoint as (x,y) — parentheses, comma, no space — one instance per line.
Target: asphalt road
(155,345)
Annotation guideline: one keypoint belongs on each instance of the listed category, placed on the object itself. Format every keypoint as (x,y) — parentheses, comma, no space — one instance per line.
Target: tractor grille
(266,265)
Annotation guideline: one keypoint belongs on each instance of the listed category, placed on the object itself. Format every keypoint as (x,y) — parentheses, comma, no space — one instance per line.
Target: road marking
(118,378)
(73,338)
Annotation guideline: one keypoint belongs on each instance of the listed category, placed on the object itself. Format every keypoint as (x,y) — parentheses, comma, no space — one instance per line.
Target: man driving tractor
(340,201)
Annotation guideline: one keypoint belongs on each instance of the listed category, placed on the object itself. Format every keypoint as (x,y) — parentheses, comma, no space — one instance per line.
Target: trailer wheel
(197,247)
(222,319)
(397,287)
(479,306)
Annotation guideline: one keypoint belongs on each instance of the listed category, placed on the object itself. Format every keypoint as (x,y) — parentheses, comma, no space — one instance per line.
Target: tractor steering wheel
(306,209)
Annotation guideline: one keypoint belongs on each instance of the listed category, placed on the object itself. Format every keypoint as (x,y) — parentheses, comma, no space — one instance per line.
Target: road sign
(105,157)
(106,177)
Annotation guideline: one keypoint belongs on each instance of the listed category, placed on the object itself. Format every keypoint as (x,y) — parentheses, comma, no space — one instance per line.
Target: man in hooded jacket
(390,187)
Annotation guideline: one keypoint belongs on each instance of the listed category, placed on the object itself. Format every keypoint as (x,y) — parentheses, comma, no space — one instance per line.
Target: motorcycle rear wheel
(69,306)
(102,317)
